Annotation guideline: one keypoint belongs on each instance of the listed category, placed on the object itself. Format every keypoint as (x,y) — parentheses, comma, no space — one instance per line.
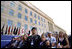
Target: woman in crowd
(62,41)
(43,40)
(24,44)
(44,43)
(65,35)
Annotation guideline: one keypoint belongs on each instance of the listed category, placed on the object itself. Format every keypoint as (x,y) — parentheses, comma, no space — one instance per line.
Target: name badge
(32,43)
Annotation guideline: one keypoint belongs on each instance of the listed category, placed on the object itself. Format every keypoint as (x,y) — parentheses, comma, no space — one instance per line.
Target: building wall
(44,26)
(57,29)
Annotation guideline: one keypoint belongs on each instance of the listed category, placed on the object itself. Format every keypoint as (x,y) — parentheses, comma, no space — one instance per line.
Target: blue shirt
(53,39)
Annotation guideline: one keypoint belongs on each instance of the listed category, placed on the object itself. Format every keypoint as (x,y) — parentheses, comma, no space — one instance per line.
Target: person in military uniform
(34,40)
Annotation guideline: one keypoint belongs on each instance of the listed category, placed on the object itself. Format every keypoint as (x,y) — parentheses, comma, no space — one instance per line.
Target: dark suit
(33,41)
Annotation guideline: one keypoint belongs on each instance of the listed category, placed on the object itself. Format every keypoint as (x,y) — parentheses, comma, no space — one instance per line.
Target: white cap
(49,32)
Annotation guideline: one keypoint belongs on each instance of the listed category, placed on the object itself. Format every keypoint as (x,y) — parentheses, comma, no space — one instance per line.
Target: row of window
(19,25)
(36,22)
(10,22)
(19,16)
(11,12)
(26,11)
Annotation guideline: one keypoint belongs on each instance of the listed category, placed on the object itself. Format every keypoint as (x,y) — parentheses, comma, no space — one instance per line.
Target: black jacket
(43,45)
(36,41)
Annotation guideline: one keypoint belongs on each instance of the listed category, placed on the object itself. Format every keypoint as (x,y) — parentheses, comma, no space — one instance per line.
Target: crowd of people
(48,40)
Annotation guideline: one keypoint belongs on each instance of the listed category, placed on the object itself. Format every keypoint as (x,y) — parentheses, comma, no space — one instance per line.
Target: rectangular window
(18,24)
(19,15)
(11,12)
(39,17)
(26,10)
(2,8)
(42,24)
(31,20)
(12,4)
(10,23)
(26,26)
(35,21)
(35,16)
(26,19)
(39,23)
(30,13)
(43,20)
(19,7)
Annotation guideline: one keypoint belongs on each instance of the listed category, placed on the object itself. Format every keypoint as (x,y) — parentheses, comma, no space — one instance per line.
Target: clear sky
(59,11)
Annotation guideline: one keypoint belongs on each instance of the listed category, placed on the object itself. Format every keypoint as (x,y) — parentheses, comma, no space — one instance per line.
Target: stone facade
(46,23)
